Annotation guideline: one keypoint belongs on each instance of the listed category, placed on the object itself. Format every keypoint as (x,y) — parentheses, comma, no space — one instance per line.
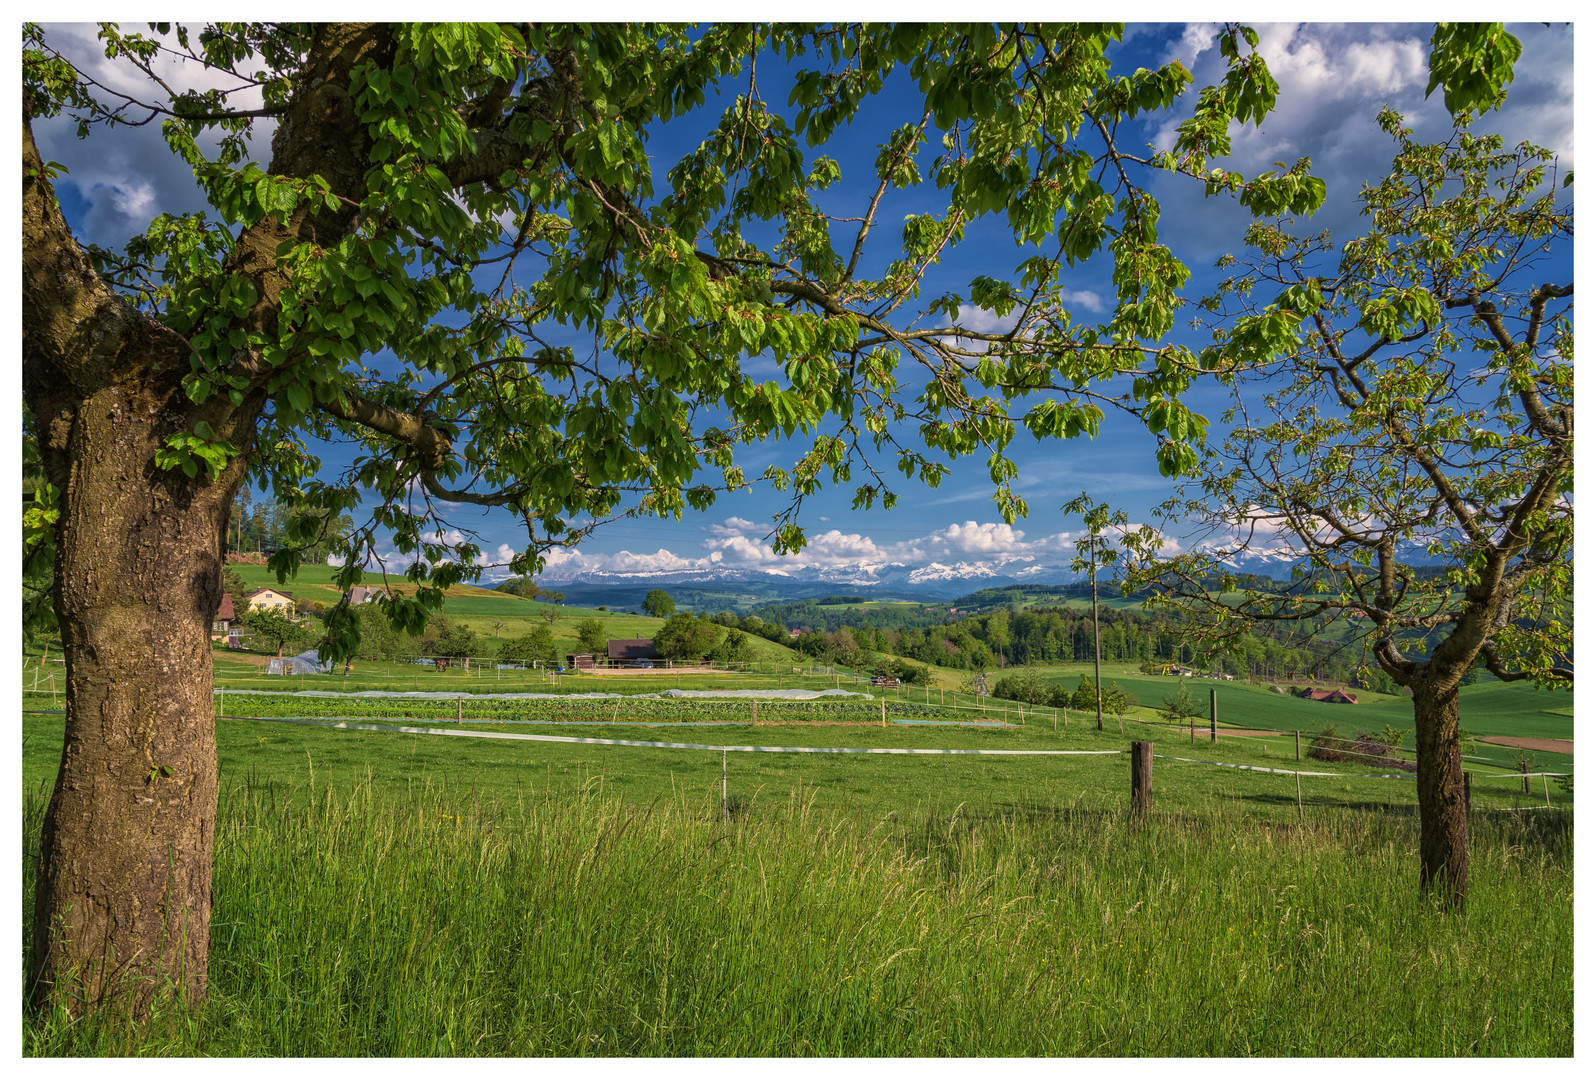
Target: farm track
(1549,746)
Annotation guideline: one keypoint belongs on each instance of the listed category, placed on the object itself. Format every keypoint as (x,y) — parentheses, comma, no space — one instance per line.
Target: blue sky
(1333,80)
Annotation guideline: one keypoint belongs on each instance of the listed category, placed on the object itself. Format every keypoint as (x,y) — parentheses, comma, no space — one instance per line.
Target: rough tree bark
(1443,814)
(122,908)
(123,898)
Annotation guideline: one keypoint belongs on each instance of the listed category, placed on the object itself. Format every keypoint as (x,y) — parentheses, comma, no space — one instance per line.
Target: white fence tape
(1249,768)
(662,745)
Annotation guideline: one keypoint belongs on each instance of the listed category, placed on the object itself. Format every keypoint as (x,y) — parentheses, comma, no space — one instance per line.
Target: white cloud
(972,538)
(736,526)
(1087,299)
(1334,79)
(982,321)
(125,175)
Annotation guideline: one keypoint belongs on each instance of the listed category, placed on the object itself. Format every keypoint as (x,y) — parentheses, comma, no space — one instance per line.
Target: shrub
(537,644)
(1179,705)
(733,649)
(1365,749)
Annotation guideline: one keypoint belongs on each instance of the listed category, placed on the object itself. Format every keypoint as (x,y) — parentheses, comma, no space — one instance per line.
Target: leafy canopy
(496,288)
(1414,445)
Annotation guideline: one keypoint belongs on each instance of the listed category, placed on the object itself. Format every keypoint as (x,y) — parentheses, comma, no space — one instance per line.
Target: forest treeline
(1012,638)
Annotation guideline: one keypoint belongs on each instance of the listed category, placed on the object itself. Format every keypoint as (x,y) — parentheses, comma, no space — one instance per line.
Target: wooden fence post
(1213,715)
(459,711)
(1523,767)
(1141,777)
(883,712)
(1298,733)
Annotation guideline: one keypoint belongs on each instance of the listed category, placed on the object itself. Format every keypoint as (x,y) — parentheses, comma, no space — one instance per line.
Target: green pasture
(387,893)
(396,895)
(287,754)
(1487,708)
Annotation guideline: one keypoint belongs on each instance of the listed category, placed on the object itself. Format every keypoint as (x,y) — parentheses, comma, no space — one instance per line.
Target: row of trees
(267,526)
(1031,636)
(1028,686)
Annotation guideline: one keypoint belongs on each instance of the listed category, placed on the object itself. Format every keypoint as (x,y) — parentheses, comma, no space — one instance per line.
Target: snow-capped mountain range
(949,579)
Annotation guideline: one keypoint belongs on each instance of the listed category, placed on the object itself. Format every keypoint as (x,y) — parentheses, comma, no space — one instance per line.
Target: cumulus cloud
(118,178)
(982,321)
(1086,298)
(736,526)
(972,538)
(1334,79)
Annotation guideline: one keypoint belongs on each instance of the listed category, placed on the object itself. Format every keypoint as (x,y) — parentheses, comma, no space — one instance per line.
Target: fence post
(1213,714)
(459,711)
(756,711)
(883,712)
(1141,777)
(1298,733)
(1523,767)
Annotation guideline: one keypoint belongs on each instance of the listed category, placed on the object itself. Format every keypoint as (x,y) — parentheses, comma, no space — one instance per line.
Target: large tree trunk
(123,899)
(124,890)
(1443,816)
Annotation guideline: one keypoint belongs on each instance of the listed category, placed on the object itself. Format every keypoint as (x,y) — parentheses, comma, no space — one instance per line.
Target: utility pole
(1097,637)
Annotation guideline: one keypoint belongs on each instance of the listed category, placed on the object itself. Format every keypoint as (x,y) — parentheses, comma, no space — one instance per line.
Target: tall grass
(374,922)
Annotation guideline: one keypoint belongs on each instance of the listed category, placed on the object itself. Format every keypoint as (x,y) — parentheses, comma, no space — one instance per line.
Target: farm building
(222,623)
(624,652)
(367,594)
(270,598)
(580,661)
(1335,697)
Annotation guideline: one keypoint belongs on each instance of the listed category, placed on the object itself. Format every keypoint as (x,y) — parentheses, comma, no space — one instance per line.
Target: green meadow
(391,903)
(428,892)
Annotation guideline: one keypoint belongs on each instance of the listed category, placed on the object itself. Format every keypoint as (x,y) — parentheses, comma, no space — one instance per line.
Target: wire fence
(727,748)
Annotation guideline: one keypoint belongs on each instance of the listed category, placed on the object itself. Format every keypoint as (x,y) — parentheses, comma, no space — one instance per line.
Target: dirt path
(1550,746)
(248,658)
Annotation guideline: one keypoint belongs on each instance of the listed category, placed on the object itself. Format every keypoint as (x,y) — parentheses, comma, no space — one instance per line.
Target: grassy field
(1487,708)
(498,617)
(389,893)
(440,919)
(872,784)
